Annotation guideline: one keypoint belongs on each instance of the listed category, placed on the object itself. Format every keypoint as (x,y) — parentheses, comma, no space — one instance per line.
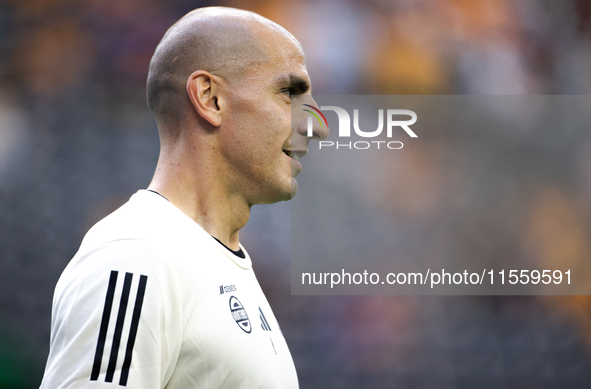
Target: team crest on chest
(239,315)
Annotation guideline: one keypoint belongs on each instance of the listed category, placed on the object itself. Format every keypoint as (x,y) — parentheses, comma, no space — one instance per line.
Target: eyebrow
(299,84)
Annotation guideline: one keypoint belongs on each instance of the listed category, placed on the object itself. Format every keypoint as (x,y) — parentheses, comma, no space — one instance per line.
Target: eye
(288,91)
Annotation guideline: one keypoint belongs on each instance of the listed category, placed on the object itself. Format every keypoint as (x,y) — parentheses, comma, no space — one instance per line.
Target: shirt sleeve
(116,320)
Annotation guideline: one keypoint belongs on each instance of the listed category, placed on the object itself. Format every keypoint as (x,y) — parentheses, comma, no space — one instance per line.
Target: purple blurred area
(77,139)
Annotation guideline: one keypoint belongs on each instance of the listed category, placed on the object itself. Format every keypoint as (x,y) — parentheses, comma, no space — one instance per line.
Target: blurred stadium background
(76,140)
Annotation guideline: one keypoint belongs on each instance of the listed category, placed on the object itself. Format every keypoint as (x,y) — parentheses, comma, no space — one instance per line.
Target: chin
(284,193)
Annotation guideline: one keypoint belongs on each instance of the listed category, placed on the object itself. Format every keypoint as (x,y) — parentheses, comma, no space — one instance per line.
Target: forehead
(281,61)
(277,39)
(287,63)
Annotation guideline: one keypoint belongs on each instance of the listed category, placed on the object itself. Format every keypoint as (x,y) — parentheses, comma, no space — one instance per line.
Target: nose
(313,124)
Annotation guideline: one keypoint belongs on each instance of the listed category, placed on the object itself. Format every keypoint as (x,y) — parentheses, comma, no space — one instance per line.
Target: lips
(295,154)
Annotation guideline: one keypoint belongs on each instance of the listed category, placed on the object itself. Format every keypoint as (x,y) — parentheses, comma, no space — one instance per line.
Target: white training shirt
(151,300)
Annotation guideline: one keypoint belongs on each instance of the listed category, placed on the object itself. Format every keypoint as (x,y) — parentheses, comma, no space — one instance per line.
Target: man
(161,293)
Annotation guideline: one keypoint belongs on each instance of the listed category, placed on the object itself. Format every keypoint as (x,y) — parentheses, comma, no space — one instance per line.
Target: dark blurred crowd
(76,140)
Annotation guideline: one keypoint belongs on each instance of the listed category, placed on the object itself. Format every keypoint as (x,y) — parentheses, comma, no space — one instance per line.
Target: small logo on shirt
(239,315)
(227,288)
(264,324)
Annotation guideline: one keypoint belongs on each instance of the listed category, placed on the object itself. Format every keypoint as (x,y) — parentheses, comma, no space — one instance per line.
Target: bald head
(226,42)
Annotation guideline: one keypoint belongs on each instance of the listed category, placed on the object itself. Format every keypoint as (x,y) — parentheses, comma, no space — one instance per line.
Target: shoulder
(151,218)
(123,294)
(144,231)
(124,265)
(145,216)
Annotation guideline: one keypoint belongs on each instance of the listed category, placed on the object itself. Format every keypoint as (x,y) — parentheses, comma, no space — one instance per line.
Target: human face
(262,146)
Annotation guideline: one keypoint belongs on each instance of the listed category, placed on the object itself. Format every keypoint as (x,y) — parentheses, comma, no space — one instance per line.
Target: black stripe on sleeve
(137,310)
(100,344)
(119,327)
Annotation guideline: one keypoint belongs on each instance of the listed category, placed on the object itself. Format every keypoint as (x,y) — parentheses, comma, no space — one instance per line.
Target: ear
(203,91)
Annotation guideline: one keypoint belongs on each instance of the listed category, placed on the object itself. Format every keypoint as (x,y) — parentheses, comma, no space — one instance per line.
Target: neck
(191,182)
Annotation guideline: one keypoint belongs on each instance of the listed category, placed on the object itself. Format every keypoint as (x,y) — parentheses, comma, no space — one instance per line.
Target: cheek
(258,129)
(247,145)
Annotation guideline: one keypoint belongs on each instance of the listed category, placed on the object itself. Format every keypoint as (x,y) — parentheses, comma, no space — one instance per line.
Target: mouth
(295,154)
